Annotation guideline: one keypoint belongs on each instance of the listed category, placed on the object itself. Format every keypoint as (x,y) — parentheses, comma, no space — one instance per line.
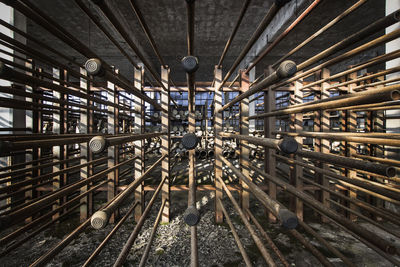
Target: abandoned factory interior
(200,133)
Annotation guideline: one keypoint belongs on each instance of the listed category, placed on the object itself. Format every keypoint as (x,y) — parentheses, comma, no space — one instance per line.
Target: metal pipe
(374,43)
(377,159)
(16,185)
(235,234)
(283,34)
(311,248)
(232,36)
(128,245)
(19,215)
(383,244)
(96,21)
(99,143)
(260,29)
(264,252)
(152,234)
(320,31)
(267,238)
(124,34)
(22,171)
(18,165)
(110,235)
(365,32)
(38,230)
(349,162)
(10,237)
(287,218)
(286,69)
(100,219)
(348,137)
(286,145)
(387,93)
(363,205)
(359,215)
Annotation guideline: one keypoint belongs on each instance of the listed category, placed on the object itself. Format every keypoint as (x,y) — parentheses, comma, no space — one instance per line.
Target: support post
(218,144)
(296,170)
(269,126)
(165,144)
(139,145)
(244,145)
(351,125)
(85,152)
(112,120)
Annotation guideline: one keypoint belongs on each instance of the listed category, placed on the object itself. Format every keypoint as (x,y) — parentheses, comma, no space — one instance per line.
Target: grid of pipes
(319,138)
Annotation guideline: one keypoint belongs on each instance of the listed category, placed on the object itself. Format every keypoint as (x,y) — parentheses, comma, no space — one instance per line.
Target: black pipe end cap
(97,144)
(288,145)
(94,67)
(281,3)
(286,69)
(190,64)
(288,219)
(190,141)
(191,216)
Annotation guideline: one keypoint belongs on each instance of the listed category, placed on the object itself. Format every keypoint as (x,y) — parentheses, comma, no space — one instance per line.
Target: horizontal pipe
(100,219)
(349,162)
(377,159)
(322,30)
(287,218)
(18,165)
(19,215)
(132,237)
(286,145)
(387,93)
(286,69)
(235,234)
(348,137)
(110,234)
(383,244)
(264,252)
(99,143)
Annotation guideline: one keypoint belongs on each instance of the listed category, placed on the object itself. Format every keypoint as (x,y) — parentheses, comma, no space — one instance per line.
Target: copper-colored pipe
(283,34)
(377,159)
(110,235)
(260,29)
(19,215)
(264,252)
(128,245)
(320,31)
(235,235)
(356,229)
(232,36)
(267,238)
(387,93)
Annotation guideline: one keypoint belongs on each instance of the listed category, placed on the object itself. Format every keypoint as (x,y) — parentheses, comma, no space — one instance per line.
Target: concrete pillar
(392,124)
(252,105)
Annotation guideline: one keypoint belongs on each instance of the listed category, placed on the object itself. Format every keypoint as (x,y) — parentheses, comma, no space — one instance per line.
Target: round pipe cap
(288,145)
(190,141)
(97,144)
(99,219)
(190,64)
(94,66)
(286,69)
(191,216)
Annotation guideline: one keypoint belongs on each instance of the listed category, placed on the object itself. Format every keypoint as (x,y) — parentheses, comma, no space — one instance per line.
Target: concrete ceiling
(214,21)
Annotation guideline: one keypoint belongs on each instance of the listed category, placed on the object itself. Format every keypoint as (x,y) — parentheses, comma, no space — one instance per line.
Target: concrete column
(392,124)
(252,105)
